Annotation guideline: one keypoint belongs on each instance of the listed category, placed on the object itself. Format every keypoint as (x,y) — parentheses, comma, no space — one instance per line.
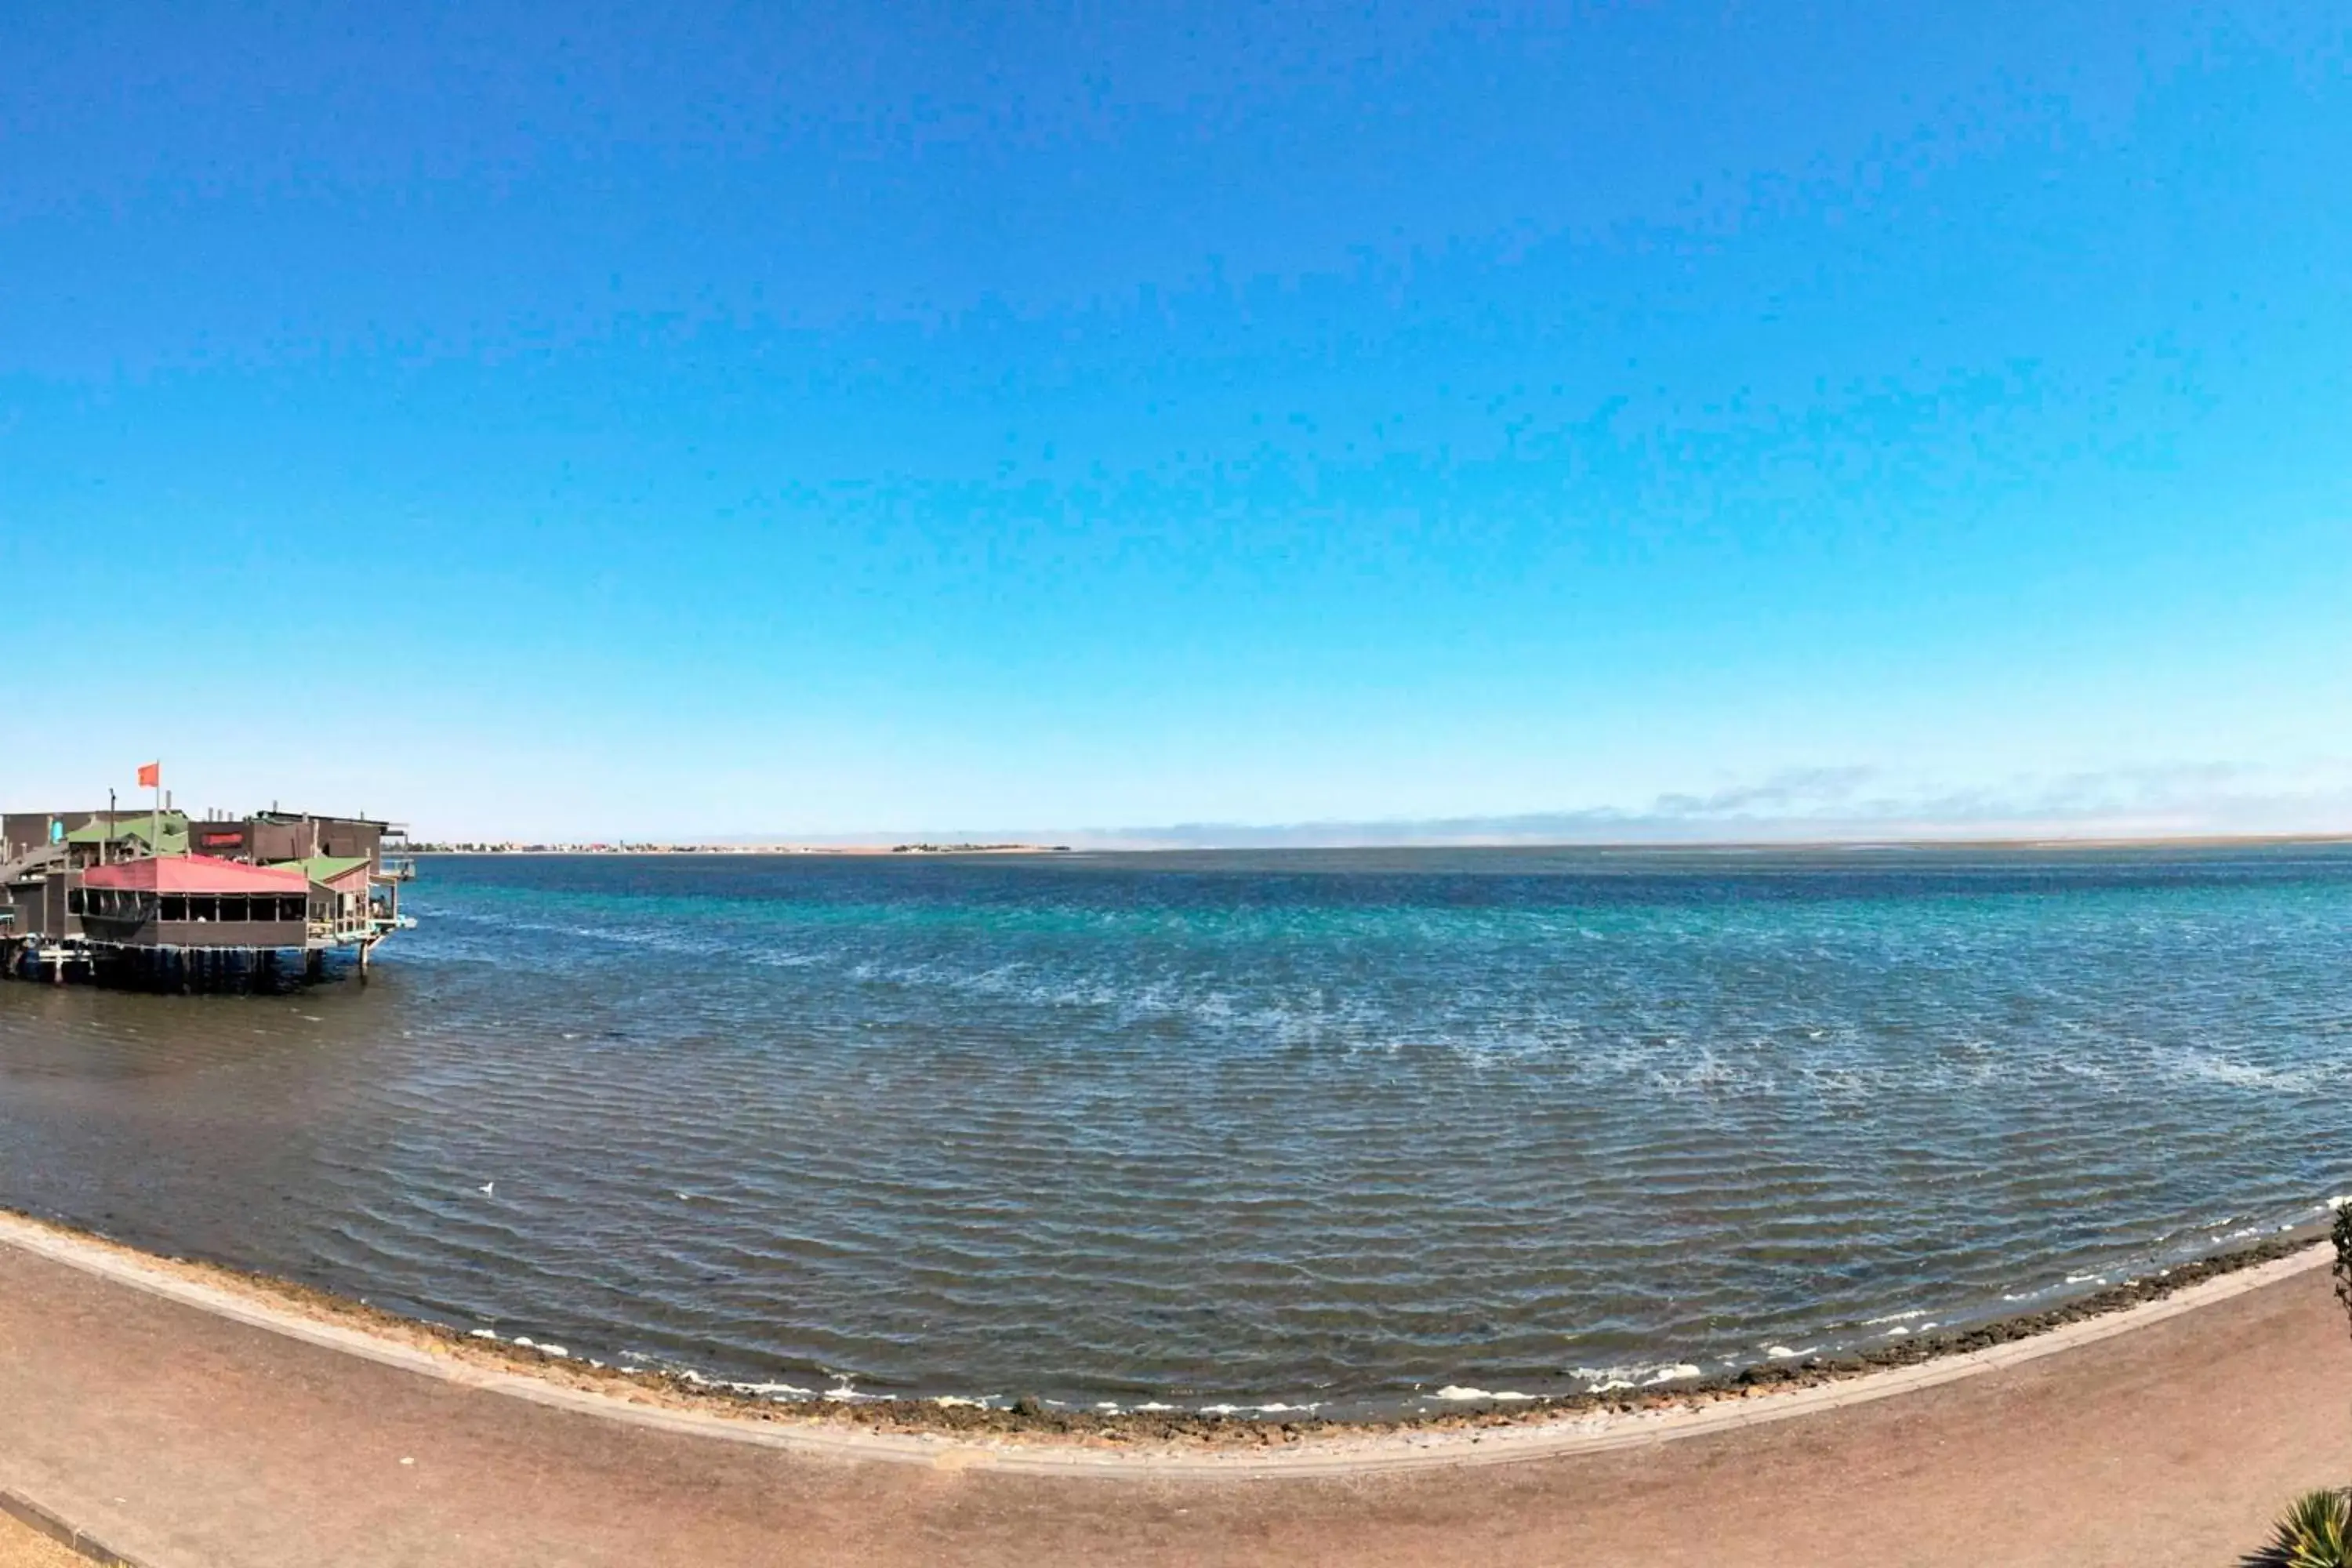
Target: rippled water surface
(1343,1129)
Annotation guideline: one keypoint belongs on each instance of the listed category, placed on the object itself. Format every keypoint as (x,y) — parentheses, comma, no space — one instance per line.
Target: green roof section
(323,867)
(173,841)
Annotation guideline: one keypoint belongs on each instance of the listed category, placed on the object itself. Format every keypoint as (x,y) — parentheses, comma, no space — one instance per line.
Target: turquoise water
(1346,1129)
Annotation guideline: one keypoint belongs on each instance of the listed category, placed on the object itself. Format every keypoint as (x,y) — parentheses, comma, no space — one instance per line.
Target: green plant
(2317,1532)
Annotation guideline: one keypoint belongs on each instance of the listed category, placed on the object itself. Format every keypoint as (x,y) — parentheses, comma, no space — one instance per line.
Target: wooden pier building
(154,897)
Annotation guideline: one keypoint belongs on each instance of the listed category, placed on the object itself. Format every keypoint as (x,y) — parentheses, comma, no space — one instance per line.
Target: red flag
(151,775)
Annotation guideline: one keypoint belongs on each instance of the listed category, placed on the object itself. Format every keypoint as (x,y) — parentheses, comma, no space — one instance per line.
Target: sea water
(1355,1131)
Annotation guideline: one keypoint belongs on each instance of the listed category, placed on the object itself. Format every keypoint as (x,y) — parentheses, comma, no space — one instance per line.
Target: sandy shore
(185,1425)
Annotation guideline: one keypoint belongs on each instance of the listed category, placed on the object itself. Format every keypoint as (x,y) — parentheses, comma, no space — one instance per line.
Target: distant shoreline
(1693,846)
(652,849)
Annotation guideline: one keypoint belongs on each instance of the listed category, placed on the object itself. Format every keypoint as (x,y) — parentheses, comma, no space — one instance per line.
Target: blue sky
(711,420)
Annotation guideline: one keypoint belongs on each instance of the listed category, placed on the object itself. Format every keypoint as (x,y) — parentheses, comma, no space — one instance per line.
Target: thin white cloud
(1822,805)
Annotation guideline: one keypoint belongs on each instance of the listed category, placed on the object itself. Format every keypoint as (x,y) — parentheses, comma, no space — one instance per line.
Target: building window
(202,907)
(289,908)
(77,902)
(175,907)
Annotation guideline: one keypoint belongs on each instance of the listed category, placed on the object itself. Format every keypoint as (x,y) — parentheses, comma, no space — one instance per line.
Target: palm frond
(2314,1532)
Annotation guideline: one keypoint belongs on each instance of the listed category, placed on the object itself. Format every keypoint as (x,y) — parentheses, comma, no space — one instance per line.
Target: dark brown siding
(273,841)
(301,837)
(216,933)
(24,830)
(222,841)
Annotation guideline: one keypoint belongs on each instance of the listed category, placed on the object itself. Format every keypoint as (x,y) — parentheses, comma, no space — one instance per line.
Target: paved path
(185,1440)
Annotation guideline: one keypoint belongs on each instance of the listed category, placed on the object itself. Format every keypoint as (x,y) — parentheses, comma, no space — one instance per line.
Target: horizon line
(950,845)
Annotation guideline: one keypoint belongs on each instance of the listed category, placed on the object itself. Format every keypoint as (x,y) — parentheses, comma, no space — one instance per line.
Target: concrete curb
(32,1516)
(1336,1455)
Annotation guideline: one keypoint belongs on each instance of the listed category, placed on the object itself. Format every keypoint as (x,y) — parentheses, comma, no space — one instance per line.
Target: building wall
(27,830)
(299,838)
(279,840)
(340,836)
(219,934)
(51,916)
(150,926)
(222,841)
(260,838)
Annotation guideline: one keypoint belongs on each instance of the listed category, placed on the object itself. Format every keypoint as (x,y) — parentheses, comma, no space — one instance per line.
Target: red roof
(194,874)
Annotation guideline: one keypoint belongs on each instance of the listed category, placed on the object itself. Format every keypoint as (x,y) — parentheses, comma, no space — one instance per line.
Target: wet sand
(181,1436)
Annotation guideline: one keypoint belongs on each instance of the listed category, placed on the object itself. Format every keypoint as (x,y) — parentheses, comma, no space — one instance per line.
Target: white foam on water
(2209,1067)
(1782,1353)
(1709,1074)
(1456,1393)
(773,1390)
(1606,1379)
(2035,1294)
(1897,1332)
(1154,1405)
(483,1334)
(1221,1410)
(1915,1312)
(957,1402)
